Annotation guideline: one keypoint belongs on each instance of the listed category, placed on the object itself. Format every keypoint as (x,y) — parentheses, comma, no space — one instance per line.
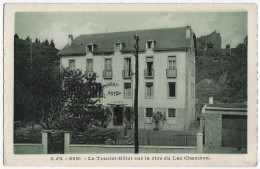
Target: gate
(56,143)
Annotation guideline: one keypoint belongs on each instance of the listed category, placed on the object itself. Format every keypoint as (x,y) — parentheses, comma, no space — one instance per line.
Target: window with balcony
(71,64)
(149,72)
(149,92)
(171,71)
(127,90)
(127,72)
(171,89)
(108,69)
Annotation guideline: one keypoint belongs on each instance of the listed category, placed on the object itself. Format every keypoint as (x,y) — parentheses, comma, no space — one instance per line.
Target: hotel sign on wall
(113,89)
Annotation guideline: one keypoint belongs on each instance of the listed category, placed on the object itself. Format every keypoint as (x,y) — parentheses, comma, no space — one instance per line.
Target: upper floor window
(149,67)
(71,64)
(127,72)
(89,65)
(149,90)
(172,89)
(127,90)
(150,44)
(108,64)
(172,62)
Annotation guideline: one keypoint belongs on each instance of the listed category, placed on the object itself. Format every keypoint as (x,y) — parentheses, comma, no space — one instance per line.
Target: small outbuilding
(225,125)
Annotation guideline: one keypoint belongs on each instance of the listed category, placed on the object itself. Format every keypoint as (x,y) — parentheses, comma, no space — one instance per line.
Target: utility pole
(136,94)
(31,82)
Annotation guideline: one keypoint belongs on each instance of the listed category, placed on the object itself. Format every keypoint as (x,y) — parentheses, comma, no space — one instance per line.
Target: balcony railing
(108,74)
(148,73)
(171,72)
(127,74)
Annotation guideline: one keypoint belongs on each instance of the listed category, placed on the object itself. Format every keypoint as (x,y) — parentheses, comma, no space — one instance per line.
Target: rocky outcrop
(214,38)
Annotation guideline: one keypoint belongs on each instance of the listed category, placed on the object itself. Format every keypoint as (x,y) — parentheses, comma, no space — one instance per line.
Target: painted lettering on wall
(112,92)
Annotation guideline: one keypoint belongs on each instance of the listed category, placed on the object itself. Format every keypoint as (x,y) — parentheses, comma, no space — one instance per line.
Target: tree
(46,42)
(52,43)
(16,36)
(228,46)
(36,40)
(158,119)
(68,102)
(28,38)
(245,40)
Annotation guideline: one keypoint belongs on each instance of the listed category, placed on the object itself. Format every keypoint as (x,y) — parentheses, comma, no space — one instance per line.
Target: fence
(175,144)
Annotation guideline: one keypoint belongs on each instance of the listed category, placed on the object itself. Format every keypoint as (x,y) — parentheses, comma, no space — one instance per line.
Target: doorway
(118,116)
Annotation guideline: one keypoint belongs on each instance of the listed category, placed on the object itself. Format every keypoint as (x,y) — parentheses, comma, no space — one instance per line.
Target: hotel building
(166,72)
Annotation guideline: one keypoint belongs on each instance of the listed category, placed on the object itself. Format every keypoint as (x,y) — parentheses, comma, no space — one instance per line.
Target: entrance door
(118,116)
(234,131)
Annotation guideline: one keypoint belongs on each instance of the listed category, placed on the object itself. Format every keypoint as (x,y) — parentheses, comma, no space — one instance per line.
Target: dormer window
(118,46)
(91,47)
(150,44)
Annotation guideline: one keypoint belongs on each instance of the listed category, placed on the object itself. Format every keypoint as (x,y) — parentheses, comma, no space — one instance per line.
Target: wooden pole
(136,95)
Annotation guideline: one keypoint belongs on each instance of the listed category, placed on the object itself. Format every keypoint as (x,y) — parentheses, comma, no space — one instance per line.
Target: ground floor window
(171,113)
(149,112)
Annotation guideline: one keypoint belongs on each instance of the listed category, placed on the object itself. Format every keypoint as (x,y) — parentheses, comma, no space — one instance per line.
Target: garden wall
(28,148)
(117,149)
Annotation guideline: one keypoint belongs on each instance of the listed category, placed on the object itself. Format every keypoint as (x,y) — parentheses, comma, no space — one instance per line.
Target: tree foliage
(158,119)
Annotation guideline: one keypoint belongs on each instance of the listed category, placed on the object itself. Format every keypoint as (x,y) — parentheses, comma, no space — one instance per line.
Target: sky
(232,26)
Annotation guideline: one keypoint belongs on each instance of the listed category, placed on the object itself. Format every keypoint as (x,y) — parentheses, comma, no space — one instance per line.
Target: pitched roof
(166,39)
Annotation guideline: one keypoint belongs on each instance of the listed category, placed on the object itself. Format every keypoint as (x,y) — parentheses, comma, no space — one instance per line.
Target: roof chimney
(70,39)
(210,99)
(188,31)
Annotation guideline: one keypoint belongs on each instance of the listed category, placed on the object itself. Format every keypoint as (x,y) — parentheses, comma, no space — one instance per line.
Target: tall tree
(16,36)
(28,38)
(46,42)
(52,43)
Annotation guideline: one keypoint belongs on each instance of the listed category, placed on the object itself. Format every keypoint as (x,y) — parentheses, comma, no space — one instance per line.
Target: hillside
(41,55)
(221,73)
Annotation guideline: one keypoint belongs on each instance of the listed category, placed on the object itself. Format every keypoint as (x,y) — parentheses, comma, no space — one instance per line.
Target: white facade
(157,97)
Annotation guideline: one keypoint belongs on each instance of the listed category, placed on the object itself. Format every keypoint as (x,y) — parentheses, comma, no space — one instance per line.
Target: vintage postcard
(130,85)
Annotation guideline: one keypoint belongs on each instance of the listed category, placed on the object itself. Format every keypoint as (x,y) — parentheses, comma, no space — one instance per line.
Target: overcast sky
(58,25)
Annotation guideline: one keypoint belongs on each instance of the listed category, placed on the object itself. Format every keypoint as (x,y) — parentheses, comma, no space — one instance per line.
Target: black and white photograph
(119,82)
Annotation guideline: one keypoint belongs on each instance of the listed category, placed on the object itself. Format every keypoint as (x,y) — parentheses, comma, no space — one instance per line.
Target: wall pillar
(44,143)
(66,143)
(199,143)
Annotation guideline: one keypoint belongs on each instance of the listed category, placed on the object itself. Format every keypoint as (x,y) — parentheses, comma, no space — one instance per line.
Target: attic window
(150,44)
(118,46)
(91,47)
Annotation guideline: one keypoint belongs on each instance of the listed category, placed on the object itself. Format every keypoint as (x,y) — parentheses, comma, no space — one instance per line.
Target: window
(127,67)
(172,62)
(171,113)
(71,64)
(172,89)
(90,65)
(150,44)
(149,66)
(89,48)
(127,90)
(149,90)
(149,112)
(96,89)
(108,64)
(117,46)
